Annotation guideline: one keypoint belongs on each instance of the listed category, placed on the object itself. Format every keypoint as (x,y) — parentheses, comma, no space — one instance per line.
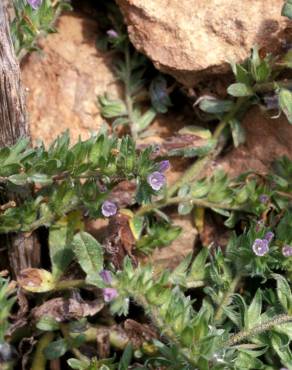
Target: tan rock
(191,38)
(64,80)
(267,139)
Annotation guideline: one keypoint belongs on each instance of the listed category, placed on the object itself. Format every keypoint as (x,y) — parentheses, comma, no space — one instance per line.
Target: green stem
(225,300)
(175,200)
(241,336)
(69,284)
(197,168)
(39,359)
(128,96)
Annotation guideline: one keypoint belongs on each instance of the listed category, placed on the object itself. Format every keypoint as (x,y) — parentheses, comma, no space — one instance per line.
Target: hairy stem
(225,300)
(128,96)
(69,284)
(39,359)
(196,169)
(265,326)
(175,200)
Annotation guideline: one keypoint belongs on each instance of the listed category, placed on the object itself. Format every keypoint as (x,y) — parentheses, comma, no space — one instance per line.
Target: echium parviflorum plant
(33,19)
(93,302)
(225,308)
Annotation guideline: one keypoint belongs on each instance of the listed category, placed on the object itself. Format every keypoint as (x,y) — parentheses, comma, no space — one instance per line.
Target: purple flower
(260,247)
(108,208)
(164,165)
(112,33)
(269,236)
(287,251)
(264,198)
(34,3)
(156,180)
(106,276)
(109,294)
(272,102)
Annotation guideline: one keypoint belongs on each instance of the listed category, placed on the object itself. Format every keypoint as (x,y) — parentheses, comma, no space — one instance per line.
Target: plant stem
(271,86)
(269,324)
(39,359)
(197,168)
(128,96)
(175,200)
(225,300)
(69,284)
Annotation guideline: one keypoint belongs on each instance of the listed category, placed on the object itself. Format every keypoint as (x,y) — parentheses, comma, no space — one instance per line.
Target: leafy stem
(176,200)
(39,360)
(226,297)
(258,329)
(128,95)
(196,169)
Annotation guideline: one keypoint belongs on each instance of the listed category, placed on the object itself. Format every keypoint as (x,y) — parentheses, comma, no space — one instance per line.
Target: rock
(267,139)
(191,38)
(64,80)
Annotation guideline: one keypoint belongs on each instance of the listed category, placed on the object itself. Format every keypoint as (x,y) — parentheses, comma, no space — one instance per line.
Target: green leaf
(60,238)
(237,131)
(198,267)
(284,293)
(253,313)
(144,121)
(47,323)
(240,89)
(40,178)
(19,179)
(215,106)
(89,254)
(56,349)
(285,102)
(126,358)
(287,9)
(112,108)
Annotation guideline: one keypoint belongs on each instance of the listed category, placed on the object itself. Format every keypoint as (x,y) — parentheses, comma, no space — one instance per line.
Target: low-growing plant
(95,302)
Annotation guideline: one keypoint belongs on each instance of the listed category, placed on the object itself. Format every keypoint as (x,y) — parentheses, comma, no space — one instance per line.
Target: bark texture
(23,251)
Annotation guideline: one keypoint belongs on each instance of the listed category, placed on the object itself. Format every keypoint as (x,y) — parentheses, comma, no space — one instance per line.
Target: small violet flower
(112,33)
(35,4)
(108,208)
(109,294)
(287,251)
(269,236)
(272,102)
(156,180)
(106,276)
(264,198)
(260,247)
(164,165)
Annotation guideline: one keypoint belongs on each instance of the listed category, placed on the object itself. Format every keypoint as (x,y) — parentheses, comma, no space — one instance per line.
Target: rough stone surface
(266,140)
(64,80)
(192,38)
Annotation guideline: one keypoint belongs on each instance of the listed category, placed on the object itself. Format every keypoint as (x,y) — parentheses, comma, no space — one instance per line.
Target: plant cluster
(223,307)
(33,19)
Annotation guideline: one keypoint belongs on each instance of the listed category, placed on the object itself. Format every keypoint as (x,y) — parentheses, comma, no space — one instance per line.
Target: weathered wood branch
(23,250)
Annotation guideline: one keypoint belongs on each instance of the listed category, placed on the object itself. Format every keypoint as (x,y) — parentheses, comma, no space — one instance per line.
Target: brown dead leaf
(139,333)
(62,309)
(119,240)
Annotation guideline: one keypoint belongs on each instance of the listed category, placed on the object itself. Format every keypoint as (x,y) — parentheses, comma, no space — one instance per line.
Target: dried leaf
(62,309)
